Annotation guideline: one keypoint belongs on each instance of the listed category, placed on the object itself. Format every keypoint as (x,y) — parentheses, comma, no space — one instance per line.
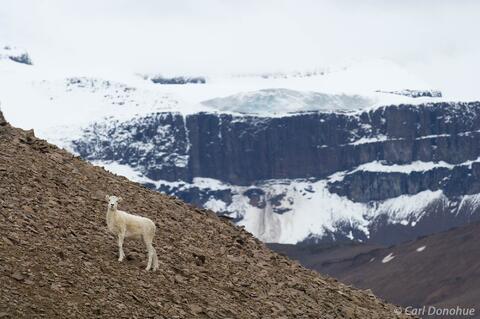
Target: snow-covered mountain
(313,156)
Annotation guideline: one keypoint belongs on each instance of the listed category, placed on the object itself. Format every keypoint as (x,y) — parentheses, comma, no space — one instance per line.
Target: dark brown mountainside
(441,270)
(57,260)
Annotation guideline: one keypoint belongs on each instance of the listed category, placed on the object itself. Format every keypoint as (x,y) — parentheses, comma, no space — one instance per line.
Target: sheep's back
(137,224)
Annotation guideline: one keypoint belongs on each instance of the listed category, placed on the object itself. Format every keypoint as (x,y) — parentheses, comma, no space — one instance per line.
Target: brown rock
(7,241)
(18,276)
(195,309)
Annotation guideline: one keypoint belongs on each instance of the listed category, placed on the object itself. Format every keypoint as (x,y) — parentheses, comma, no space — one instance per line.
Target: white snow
(126,171)
(383,138)
(366,140)
(216,205)
(469,201)
(407,207)
(213,184)
(310,212)
(416,166)
(314,213)
(58,104)
(388,258)
(420,249)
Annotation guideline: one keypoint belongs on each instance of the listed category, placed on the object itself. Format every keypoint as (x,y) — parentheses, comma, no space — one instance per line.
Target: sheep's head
(113,201)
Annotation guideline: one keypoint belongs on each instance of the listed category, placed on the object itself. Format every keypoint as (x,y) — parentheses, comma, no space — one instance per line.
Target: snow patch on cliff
(406,209)
(126,171)
(416,166)
(388,258)
(383,167)
(367,140)
(420,249)
(216,205)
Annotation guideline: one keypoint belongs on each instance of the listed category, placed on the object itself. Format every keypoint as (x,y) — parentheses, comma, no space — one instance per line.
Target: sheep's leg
(150,256)
(121,254)
(147,238)
(155,259)
(152,259)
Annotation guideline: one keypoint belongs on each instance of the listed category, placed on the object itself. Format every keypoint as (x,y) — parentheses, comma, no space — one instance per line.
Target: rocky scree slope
(57,260)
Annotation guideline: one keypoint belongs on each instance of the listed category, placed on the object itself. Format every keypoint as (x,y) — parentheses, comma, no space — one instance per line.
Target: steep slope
(441,270)
(56,259)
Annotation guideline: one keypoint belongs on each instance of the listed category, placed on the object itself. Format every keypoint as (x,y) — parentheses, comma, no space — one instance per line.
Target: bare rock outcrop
(3,122)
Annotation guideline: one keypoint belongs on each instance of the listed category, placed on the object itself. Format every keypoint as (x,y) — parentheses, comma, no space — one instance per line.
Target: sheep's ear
(107,198)
(120,199)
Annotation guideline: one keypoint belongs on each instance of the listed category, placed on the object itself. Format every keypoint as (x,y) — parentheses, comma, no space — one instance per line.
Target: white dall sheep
(125,225)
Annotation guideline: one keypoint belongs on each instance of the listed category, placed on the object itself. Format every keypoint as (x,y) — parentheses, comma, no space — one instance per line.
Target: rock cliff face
(415,93)
(368,158)
(158,144)
(244,149)
(178,80)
